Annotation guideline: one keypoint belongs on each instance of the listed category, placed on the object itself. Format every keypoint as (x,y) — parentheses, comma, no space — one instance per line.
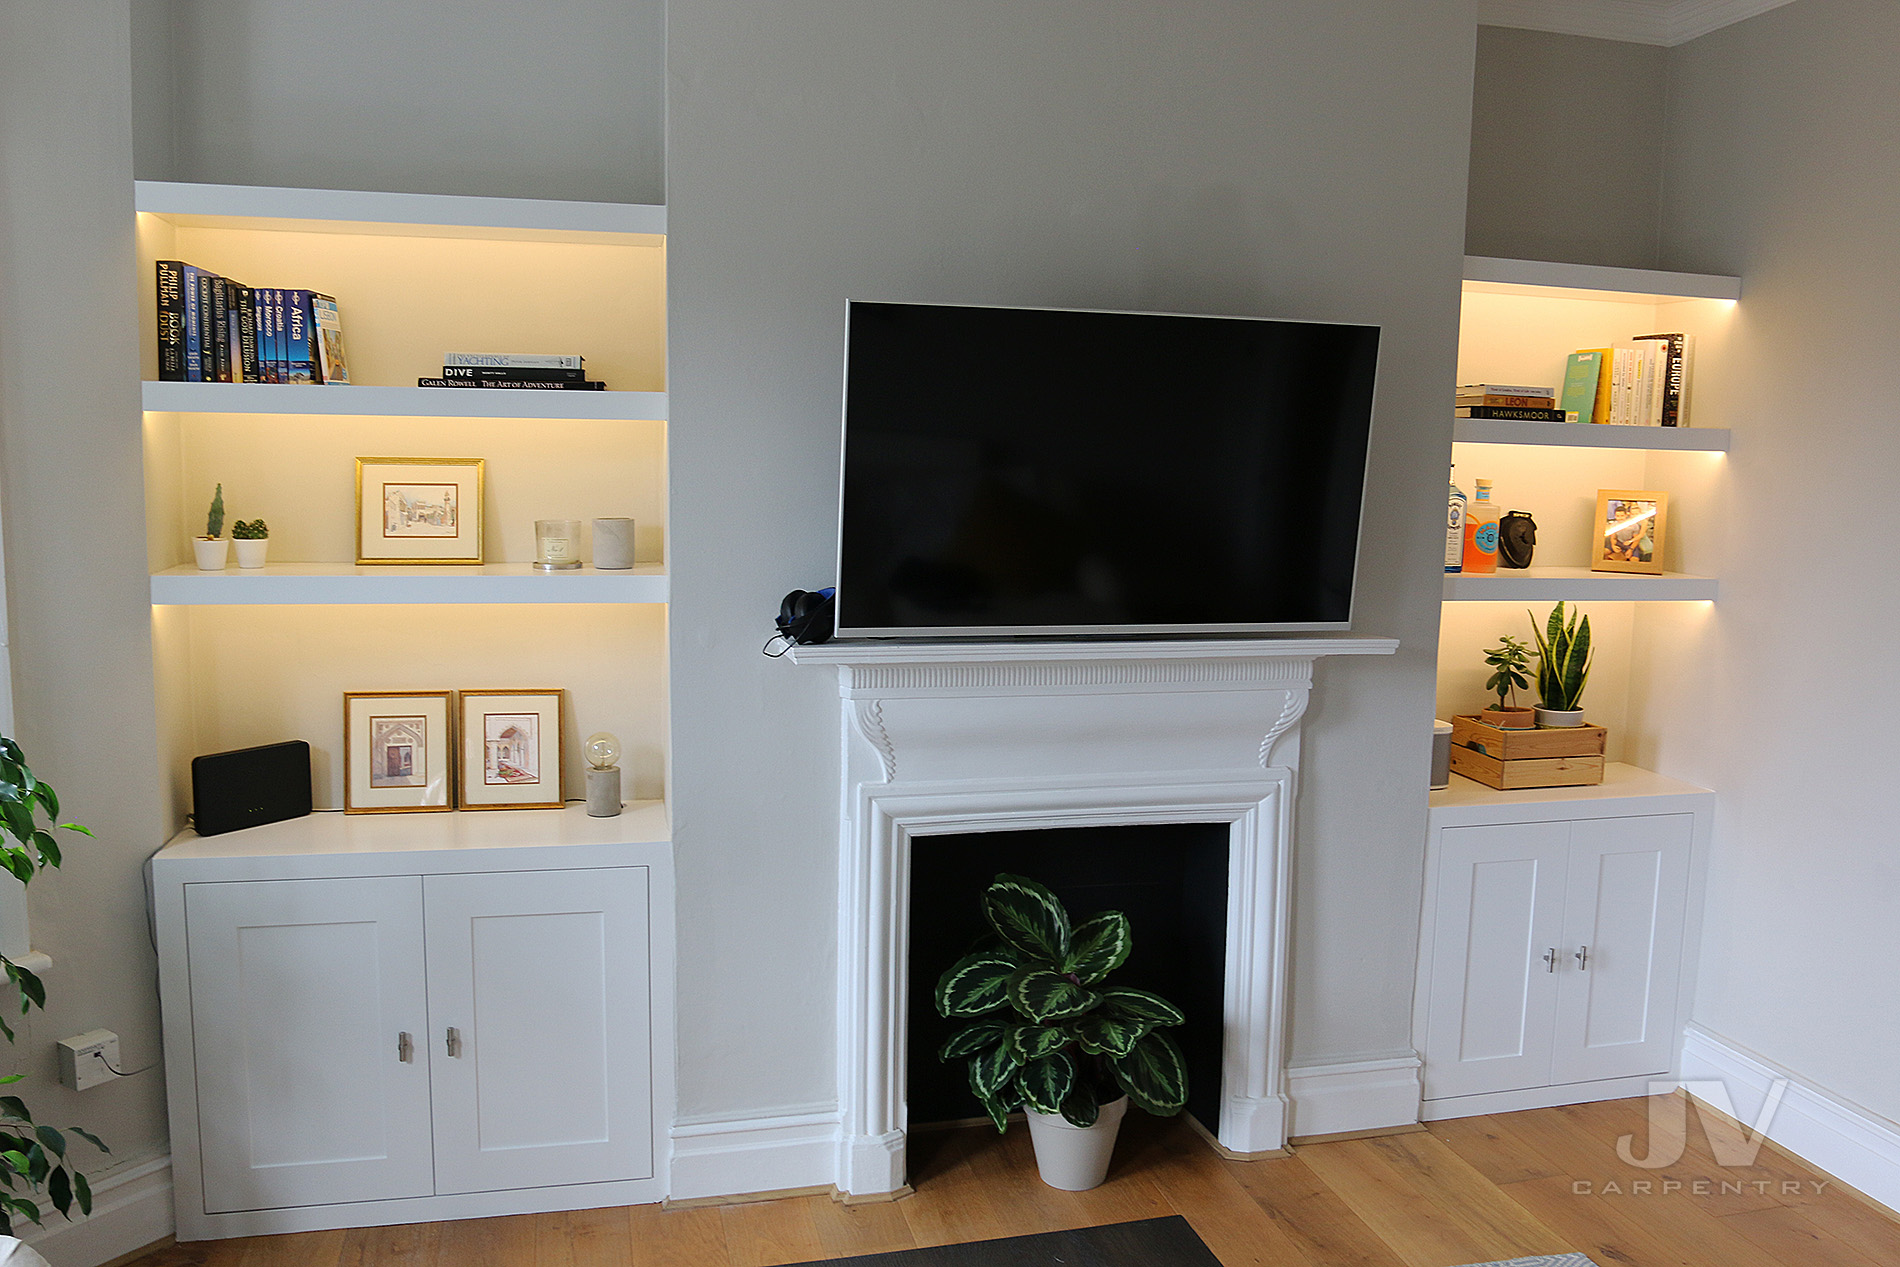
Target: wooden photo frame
(419,510)
(514,749)
(1630,530)
(398,751)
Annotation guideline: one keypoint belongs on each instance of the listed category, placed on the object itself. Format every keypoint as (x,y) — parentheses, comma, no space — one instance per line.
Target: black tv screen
(1028,471)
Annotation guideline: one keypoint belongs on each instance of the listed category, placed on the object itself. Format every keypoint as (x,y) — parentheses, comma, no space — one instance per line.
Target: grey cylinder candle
(613,543)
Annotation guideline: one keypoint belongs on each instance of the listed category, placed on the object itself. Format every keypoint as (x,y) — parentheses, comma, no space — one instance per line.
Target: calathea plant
(1046,1032)
(32,1157)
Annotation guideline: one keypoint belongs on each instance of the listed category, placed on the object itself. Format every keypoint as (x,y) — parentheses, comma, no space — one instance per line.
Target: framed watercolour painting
(398,751)
(1629,530)
(418,510)
(512,749)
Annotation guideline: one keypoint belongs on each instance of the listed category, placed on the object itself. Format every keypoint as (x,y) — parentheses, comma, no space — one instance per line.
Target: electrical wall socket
(83,1058)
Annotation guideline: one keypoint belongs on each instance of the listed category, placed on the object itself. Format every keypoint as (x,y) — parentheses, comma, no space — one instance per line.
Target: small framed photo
(512,749)
(1629,532)
(398,751)
(419,510)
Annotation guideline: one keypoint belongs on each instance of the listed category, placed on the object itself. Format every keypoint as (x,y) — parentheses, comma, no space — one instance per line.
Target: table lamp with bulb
(603,776)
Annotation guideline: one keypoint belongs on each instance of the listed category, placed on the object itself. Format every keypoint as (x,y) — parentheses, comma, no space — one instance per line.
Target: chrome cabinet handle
(1583,958)
(1550,960)
(454,1042)
(405,1048)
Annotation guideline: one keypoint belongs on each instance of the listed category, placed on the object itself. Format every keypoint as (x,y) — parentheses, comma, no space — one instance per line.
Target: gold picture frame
(398,752)
(513,749)
(419,510)
(1631,526)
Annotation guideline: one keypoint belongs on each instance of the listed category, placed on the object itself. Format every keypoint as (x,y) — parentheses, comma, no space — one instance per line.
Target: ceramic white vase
(211,552)
(250,554)
(1556,717)
(1075,1158)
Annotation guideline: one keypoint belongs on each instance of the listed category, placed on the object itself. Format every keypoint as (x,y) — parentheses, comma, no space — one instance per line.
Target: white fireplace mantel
(952,737)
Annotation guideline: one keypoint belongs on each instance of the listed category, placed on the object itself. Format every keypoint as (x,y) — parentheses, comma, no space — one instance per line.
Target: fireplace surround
(959,737)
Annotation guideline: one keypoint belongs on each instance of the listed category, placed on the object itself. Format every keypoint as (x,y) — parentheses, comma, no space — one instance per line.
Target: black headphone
(804,617)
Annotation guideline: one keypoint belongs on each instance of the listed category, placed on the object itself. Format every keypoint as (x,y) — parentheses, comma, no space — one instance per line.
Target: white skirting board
(130,1209)
(1358,1095)
(794,1149)
(1859,1148)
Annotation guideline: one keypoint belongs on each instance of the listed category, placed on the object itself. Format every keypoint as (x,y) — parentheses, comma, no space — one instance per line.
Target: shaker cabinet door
(307,1020)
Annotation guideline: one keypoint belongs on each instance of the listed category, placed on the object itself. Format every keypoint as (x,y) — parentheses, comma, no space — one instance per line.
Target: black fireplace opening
(1170,879)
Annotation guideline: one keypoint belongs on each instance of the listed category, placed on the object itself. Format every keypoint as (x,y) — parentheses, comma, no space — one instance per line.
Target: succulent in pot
(212,551)
(1510,663)
(1564,657)
(1047,1034)
(251,540)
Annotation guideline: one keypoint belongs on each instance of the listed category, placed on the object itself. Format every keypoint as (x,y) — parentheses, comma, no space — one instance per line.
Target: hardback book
(1680,358)
(1601,412)
(513,360)
(247,334)
(328,330)
(510,375)
(531,385)
(171,321)
(1580,386)
(300,354)
(194,326)
(1505,389)
(1502,411)
(1521,402)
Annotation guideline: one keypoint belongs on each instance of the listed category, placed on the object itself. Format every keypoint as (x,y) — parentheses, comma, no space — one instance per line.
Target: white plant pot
(211,552)
(1557,717)
(251,553)
(1075,1158)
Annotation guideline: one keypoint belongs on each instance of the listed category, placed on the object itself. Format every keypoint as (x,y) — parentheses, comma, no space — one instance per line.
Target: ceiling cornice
(1663,22)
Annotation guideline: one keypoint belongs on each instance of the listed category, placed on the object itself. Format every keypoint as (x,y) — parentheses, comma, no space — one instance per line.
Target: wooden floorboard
(1466,1191)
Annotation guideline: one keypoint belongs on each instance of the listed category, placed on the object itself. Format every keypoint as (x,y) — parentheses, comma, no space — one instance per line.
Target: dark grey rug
(1167,1242)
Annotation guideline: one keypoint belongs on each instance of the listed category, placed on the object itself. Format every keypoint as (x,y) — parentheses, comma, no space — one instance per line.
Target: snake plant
(1564,657)
(1050,1035)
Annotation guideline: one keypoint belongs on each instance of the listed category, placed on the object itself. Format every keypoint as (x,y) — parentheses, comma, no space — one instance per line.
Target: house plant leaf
(1042,995)
(975,984)
(991,1070)
(1027,915)
(1081,1108)
(1032,1042)
(1046,1082)
(971,1039)
(1098,945)
(1140,1005)
(1102,1034)
(1154,1075)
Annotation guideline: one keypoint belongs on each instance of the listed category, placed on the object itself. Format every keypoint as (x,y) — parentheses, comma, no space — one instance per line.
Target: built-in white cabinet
(389,1019)
(1553,962)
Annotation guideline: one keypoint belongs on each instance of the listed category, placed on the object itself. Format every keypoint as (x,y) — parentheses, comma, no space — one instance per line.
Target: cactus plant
(1564,658)
(214,521)
(250,530)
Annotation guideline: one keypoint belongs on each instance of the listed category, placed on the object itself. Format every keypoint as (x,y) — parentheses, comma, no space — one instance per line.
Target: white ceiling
(1665,22)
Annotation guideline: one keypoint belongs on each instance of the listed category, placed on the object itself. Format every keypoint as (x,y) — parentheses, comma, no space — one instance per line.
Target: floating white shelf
(331,583)
(394,214)
(400,402)
(1585,435)
(1548,280)
(1548,584)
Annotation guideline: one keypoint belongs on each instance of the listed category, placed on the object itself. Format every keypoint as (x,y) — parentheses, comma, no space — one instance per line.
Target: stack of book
(514,369)
(1641,382)
(212,329)
(1508,400)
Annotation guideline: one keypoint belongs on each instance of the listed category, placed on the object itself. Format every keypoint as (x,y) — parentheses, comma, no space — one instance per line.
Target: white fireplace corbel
(946,738)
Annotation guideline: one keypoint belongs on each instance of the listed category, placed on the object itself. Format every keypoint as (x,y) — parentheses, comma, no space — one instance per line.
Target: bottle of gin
(1481,532)
(1455,527)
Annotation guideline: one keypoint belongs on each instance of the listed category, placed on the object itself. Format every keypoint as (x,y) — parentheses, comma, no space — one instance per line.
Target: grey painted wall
(77,587)
(1784,172)
(560,100)
(1201,156)
(1567,145)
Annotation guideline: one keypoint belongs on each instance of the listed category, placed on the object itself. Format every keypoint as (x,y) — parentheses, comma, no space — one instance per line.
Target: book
(1522,402)
(246,300)
(300,355)
(509,375)
(280,345)
(1502,411)
(1580,386)
(1679,353)
(260,319)
(328,330)
(220,329)
(1601,412)
(476,383)
(171,321)
(1505,389)
(208,325)
(513,360)
(194,336)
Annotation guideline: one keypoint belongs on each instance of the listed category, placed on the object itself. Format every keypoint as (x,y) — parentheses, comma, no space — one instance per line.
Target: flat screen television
(1048,472)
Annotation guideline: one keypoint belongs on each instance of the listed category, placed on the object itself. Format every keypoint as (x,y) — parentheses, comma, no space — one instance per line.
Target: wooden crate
(1520,745)
(1526,772)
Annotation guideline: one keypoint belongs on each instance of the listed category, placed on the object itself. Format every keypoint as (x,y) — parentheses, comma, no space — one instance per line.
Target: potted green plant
(212,551)
(1563,666)
(33,1157)
(1510,663)
(1048,1036)
(251,539)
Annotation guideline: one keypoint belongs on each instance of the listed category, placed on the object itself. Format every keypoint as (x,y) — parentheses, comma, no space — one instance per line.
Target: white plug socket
(83,1058)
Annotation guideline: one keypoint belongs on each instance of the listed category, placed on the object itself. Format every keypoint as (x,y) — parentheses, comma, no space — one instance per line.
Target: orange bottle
(1481,532)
